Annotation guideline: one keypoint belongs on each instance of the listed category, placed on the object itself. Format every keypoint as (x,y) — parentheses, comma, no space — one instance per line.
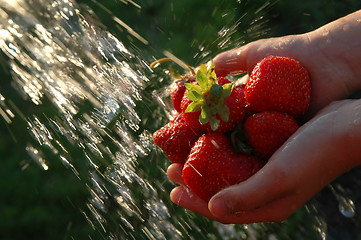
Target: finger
(244,59)
(317,153)
(231,62)
(174,173)
(275,211)
(296,165)
(265,186)
(183,197)
(301,168)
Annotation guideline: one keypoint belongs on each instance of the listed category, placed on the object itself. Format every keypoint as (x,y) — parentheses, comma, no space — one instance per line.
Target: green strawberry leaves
(194,91)
(227,89)
(202,79)
(208,97)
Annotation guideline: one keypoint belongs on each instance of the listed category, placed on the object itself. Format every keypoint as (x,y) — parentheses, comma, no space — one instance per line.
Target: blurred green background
(38,204)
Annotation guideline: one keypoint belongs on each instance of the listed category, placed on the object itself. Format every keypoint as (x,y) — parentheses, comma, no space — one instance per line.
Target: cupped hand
(305,164)
(321,150)
(329,53)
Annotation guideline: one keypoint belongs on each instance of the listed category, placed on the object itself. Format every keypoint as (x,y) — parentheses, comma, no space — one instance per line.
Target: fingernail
(218,207)
(176,194)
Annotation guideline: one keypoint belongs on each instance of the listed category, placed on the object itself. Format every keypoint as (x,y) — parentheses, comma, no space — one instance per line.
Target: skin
(325,147)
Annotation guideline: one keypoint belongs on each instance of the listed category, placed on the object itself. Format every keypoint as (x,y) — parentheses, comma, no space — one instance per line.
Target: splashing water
(94,114)
(57,54)
(85,73)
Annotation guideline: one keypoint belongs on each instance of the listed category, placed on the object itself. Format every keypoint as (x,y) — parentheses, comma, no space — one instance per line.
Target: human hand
(329,53)
(321,150)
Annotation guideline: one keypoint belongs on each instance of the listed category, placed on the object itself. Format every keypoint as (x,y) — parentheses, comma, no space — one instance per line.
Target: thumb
(243,59)
(320,151)
(265,186)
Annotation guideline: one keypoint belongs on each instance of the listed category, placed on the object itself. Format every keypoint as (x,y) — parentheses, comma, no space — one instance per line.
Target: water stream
(90,102)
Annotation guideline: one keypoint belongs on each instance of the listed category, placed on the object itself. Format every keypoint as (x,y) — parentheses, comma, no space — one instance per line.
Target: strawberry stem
(208,97)
(238,140)
(158,62)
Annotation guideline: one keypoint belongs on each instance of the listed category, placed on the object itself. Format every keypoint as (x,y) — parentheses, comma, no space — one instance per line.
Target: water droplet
(346,207)
(272,237)
(37,156)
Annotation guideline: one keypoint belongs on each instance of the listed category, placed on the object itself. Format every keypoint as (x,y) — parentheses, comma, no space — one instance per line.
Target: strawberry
(213,103)
(212,165)
(176,139)
(235,103)
(279,84)
(178,90)
(267,131)
(176,95)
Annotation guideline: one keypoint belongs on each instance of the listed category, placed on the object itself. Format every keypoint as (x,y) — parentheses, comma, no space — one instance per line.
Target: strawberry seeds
(224,133)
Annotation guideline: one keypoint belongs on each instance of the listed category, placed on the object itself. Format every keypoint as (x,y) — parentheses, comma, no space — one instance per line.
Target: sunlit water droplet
(37,156)
(347,207)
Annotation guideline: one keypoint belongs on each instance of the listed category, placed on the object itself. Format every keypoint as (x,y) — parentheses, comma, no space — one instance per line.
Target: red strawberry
(279,84)
(222,81)
(213,102)
(190,117)
(237,109)
(267,131)
(176,95)
(177,92)
(176,139)
(212,165)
